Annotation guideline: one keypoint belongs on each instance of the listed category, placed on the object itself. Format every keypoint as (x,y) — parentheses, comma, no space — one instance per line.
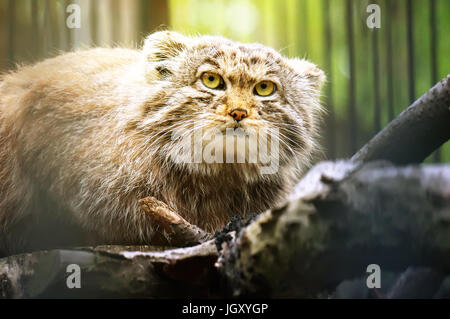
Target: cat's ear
(309,71)
(163,45)
(159,48)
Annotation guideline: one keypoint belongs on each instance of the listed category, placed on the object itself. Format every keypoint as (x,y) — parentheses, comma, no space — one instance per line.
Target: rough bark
(377,213)
(112,272)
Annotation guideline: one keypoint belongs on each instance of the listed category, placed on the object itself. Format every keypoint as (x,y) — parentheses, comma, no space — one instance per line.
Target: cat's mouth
(236,126)
(230,126)
(248,126)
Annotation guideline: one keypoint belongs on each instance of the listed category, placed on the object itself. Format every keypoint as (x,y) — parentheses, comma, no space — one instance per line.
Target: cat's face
(220,86)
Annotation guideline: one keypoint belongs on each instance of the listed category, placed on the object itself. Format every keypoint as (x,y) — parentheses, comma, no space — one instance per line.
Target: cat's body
(85,135)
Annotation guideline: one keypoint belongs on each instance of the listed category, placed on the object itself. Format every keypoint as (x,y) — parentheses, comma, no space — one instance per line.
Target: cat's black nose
(238,114)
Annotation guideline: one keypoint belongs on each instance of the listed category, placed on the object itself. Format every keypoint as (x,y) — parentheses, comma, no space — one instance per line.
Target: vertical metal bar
(410,43)
(331,136)
(46,35)
(68,35)
(281,15)
(351,85)
(376,82)
(389,65)
(51,32)
(11,32)
(156,15)
(93,22)
(35,31)
(116,25)
(433,43)
(54,25)
(144,4)
(433,57)
(304,15)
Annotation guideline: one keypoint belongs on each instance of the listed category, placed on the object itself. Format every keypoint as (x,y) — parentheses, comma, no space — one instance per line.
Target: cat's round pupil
(211,78)
(263,86)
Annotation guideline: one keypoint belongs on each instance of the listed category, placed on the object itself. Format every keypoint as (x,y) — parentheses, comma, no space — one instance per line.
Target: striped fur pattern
(85,135)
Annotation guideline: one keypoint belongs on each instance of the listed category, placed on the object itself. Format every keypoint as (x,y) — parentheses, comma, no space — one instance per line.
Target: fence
(372,73)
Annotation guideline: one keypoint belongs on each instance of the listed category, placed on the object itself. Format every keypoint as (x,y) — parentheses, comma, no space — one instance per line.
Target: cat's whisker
(274,134)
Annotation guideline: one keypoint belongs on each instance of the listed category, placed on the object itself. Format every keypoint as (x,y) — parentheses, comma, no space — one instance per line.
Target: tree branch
(416,132)
(394,217)
(112,272)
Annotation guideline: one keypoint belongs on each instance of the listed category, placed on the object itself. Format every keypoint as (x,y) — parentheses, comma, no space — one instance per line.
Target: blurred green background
(373,74)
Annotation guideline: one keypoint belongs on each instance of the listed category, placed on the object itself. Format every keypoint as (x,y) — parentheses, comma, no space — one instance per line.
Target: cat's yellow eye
(265,88)
(212,80)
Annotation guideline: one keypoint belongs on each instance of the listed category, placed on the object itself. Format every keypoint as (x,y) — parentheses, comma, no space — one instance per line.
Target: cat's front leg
(171,229)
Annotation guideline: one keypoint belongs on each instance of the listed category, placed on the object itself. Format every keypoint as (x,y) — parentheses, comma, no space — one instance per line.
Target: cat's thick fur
(85,135)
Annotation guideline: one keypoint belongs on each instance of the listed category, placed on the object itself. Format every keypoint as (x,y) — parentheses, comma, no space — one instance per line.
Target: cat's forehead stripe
(243,64)
(249,54)
(241,79)
(212,62)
